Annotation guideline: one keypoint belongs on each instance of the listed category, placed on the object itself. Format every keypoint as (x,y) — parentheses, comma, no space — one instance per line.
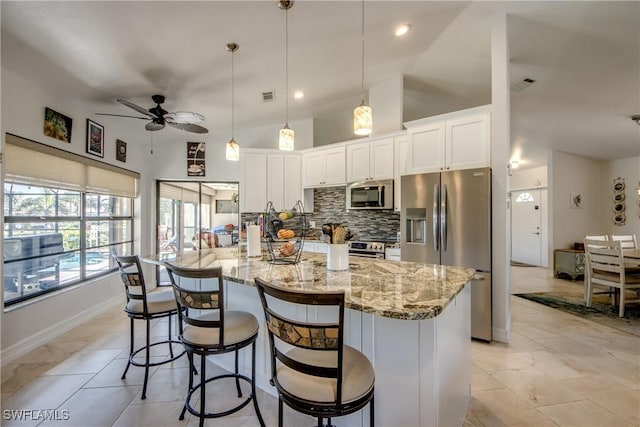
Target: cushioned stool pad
(238,326)
(157,302)
(358,376)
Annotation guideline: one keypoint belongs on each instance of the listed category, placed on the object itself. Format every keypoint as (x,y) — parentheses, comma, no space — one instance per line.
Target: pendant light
(286,139)
(233,149)
(362,115)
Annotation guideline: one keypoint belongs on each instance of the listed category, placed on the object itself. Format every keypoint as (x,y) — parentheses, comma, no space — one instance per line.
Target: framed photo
(57,125)
(576,201)
(95,138)
(195,159)
(121,150)
(226,206)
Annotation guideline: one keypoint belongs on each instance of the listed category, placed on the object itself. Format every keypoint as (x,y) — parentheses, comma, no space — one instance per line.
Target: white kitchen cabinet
(370,160)
(253,182)
(400,146)
(468,142)
(324,167)
(284,180)
(449,142)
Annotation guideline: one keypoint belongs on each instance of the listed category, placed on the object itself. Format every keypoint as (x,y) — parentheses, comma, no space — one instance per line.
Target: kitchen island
(412,320)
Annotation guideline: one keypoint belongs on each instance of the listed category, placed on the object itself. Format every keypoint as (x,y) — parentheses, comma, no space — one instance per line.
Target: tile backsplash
(330,205)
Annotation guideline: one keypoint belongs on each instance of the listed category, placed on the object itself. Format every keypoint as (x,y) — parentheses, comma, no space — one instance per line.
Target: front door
(526,227)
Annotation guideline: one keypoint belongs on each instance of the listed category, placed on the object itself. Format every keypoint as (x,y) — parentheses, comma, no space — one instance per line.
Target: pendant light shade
(362,120)
(285,142)
(362,115)
(233,149)
(286,138)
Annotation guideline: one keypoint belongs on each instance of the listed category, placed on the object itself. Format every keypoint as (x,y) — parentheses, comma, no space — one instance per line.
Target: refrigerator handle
(443,217)
(436,202)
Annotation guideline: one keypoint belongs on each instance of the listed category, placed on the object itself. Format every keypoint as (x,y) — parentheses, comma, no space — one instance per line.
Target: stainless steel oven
(366,249)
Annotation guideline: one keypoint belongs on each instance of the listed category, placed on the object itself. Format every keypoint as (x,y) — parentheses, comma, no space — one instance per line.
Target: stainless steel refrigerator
(446,219)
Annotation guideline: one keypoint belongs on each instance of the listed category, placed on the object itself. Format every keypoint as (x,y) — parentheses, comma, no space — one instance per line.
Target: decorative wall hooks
(619,217)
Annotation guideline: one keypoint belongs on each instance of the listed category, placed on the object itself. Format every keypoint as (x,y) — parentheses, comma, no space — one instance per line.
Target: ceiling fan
(160,117)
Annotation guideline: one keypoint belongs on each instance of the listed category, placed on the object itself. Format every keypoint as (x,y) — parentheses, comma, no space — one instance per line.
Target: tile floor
(559,370)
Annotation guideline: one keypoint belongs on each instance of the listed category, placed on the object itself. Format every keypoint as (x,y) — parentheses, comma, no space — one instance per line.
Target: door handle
(443,217)
(436,202)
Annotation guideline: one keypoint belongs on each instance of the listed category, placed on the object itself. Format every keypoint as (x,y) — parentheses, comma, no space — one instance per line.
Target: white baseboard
(34,341)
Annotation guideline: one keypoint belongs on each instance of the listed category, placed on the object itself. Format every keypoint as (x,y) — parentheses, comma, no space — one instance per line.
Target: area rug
(601,310)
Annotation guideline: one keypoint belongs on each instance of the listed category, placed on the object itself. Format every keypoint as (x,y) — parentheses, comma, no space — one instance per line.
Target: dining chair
(629,241)
(207,328)
(145,305)
(605,264)
(314,372)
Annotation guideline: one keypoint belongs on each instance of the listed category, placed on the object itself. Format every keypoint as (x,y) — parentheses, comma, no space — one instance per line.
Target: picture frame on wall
(95,138)
(195,159)
(576,201)
(121,150)
(57,125)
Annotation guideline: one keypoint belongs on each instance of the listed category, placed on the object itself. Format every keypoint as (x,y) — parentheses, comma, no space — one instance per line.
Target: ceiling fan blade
(121,115)
(154,125)
(138,108)
(189,127)
(184,117)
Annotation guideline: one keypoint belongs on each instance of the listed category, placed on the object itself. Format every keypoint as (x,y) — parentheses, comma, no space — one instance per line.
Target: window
(60,235)
(524,198)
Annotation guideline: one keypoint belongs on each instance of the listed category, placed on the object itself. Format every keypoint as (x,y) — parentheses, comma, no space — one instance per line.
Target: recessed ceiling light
(403,29)
(298,94)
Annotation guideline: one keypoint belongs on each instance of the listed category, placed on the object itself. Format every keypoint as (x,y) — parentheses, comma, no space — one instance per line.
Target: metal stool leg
(371,413)
(253,384)
(146,363)
(280,424)
(238,379)
(193,372)
(169,337)
(124,374)
(203,379)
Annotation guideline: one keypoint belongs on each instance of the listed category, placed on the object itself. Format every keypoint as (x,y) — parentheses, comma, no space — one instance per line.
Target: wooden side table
(569,262)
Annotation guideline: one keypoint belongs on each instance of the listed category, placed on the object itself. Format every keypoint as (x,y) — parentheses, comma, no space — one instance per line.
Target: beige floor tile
(622,401)
(84,362)
(46,392)
(557,365)
(111,374)
(166,385)
(502,407)
(593,383)
(480,380)
(157,414)
(16,375)
(536,388)
(96,407)
(581,414)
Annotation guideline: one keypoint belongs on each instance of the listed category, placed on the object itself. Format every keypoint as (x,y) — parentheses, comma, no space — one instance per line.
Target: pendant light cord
(363,49)
(286,66)
(233,116)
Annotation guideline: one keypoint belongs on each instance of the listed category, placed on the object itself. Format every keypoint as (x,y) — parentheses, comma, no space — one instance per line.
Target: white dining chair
(629,241)
(605,267)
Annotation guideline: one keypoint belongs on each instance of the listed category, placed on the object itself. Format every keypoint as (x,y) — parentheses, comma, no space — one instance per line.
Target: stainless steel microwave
(370,195)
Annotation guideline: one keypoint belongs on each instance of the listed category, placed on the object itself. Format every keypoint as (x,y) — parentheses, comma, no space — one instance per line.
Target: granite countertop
(394,289)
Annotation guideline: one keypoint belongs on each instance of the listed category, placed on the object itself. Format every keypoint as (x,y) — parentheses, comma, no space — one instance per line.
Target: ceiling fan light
(233,151)
(286,140)
(152,126)
(362,119)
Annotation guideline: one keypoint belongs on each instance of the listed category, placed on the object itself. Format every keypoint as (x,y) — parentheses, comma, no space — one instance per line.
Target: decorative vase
(338,257)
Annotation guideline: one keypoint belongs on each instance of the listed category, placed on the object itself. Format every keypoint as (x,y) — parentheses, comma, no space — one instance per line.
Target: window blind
(29,162)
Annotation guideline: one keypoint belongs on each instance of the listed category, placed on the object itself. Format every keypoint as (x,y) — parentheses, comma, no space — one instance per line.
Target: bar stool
(147,306)
(213,331)
(319,375)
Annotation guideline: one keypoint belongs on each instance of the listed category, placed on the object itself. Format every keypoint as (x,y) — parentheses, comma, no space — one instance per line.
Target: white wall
(522,179)
(41,319)
(572,174)
(629,170)
(385,99)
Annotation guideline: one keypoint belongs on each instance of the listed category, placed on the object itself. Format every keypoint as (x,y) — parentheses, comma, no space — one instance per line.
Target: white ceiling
(584,56)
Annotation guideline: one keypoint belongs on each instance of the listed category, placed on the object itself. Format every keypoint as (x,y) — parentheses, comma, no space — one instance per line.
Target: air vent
(268,96)
(522,84)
